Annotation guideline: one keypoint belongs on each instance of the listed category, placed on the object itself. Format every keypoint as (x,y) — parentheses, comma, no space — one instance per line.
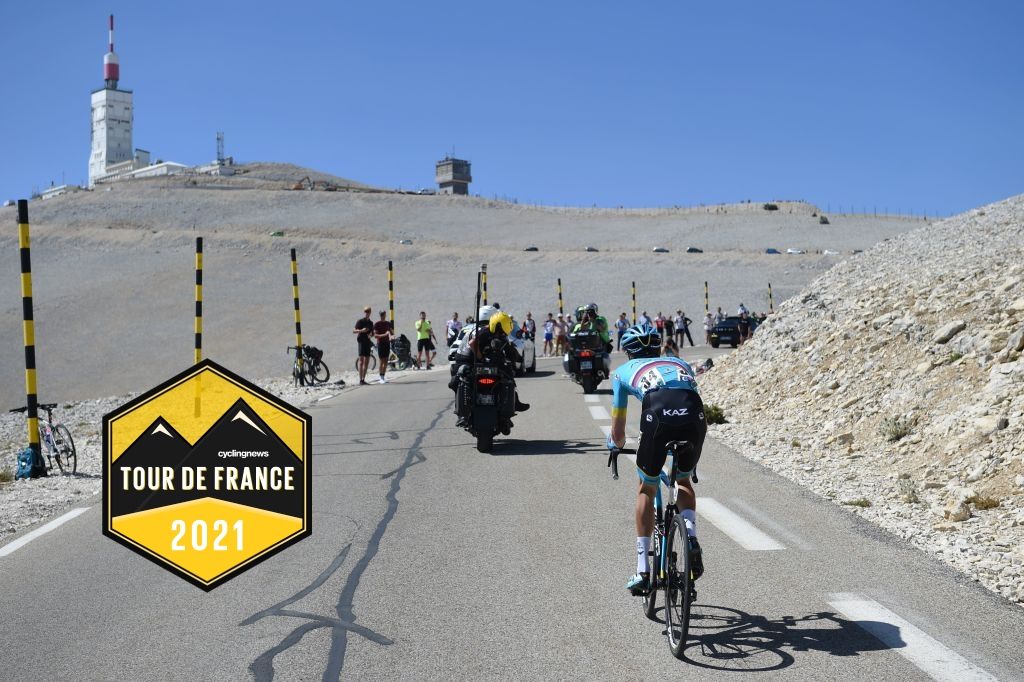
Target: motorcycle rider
(490,340)
(589,319)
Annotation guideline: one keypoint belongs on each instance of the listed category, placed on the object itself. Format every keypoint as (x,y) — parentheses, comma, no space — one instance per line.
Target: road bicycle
(395,361)
(308,368)
(670,561)
(60,447)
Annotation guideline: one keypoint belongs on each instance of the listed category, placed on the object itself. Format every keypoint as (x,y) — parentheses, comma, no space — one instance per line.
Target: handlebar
(41,406)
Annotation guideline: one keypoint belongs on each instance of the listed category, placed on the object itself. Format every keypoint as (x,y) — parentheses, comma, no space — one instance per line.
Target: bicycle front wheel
(370,366)
(678,588)
(318,372)
(64,447)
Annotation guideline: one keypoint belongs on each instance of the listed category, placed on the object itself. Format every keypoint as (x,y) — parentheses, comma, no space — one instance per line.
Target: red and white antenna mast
(111,66)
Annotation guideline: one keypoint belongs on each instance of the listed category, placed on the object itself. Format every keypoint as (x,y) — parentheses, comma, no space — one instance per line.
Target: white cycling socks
(690,517)
(643,546)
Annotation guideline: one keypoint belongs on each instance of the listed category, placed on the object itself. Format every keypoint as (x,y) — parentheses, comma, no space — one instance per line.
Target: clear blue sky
(913,104)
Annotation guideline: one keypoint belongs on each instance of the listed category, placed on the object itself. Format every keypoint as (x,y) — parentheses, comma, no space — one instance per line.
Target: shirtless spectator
(561,329)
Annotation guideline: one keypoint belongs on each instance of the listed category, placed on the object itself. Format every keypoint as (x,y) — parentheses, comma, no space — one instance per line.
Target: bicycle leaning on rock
(60,447)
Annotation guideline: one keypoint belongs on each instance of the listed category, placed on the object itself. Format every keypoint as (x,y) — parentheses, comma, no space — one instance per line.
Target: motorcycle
(488,401)
(587,362)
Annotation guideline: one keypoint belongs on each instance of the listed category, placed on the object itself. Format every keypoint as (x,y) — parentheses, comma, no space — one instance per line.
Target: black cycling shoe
(696,560)
(639,585)
(505,428)
(462,422)
(521,407)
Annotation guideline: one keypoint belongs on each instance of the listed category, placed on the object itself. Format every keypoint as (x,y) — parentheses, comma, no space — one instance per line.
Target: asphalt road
(429,560)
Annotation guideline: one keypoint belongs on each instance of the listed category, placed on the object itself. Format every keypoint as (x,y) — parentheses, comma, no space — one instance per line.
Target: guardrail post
(29,332)
(298,318)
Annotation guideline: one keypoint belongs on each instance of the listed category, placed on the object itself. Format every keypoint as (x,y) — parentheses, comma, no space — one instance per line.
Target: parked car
(728,331)
(795,251)
(427,190)
(659,249)
(830,252)
(591,249)
(772,251)
(531,248)
(406,242)
(525,345)
(694,249)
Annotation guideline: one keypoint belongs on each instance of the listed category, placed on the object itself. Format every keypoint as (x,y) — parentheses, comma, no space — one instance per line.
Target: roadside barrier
(28,328)
(298,314)
(561,310)
(634,302)
(391,295)
(199,300)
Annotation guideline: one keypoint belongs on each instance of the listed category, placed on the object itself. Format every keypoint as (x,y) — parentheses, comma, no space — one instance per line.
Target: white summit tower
(111,119)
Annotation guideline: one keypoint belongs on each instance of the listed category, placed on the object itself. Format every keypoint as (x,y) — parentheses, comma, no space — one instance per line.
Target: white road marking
(927,653)
(606,429)
(326,397)
(789,536)
(42,530)
(591,398)
(735,526)
(598,412)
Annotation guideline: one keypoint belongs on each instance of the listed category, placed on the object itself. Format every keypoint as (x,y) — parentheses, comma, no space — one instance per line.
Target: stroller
(402,351)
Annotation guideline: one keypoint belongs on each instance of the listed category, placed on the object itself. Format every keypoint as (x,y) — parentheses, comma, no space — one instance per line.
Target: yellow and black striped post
(483,272)
(199,300)
(771,301)
(28,327)
(634,302)
(561,310)
(391,295)
(298,317)
(707,306)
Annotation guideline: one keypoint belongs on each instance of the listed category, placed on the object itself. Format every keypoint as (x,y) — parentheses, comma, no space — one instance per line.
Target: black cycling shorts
(670,414)
(424,344)
(365,347)
(383,350)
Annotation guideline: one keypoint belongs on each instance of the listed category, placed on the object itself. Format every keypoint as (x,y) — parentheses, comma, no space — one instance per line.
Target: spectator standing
(549,335)
(382,332)
(709,325)
(530,326)
(425,340)
(719,316)
(643,319)
(671,349)
(363,331)
(670,326)
(621,325)
(454,327)
(561,328)
(659,323)
(744,327)
(683,329)
(742,309)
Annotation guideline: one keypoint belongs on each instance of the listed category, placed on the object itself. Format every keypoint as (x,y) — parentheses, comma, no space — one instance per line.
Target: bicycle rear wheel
(678,589)
(64,448)
(318,372)
(370,366)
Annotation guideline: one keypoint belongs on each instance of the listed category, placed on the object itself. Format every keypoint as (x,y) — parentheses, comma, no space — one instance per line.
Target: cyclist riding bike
(672,410)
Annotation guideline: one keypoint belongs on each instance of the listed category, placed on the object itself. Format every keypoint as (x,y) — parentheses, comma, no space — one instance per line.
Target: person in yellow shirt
(425,341)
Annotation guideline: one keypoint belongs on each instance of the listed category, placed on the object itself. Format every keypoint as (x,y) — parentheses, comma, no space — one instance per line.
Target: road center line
(591,398)
(927,653)
(598,412)
(42,530)
(735,526)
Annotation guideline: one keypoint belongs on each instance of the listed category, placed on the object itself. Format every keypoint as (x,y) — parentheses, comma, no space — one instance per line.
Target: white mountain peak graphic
(241,415)
(161,429)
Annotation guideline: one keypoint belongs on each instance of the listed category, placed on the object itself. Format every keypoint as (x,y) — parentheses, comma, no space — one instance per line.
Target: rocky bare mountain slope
(894,384)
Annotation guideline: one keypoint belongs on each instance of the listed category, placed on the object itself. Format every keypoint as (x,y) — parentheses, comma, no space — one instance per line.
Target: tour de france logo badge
(207,475)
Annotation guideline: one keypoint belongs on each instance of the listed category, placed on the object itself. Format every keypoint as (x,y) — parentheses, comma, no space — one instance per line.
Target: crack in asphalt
(262,667)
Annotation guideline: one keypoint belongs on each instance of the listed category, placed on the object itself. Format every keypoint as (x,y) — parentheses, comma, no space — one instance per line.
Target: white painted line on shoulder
(326,397)
(789,536)
(598,412)
(591,398)
(931,656)
(735,526)
(42,530)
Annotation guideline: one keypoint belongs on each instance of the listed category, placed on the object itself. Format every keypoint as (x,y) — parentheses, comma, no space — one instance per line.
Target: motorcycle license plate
(586,364)
(485,399)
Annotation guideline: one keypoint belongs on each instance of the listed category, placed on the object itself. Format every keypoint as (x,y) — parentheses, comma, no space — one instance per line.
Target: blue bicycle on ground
(670,561)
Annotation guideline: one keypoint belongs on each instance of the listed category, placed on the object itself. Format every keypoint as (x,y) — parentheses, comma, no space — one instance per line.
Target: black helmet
(592,308)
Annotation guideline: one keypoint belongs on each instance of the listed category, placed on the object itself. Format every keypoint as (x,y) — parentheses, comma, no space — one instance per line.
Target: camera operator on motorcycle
(589,319)
(491,341)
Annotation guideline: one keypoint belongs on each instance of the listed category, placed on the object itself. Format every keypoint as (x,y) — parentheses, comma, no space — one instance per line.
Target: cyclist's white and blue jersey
(637,377)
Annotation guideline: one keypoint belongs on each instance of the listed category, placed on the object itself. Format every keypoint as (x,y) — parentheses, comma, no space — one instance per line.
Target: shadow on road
(724,638)
(539,373)
(514,447)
